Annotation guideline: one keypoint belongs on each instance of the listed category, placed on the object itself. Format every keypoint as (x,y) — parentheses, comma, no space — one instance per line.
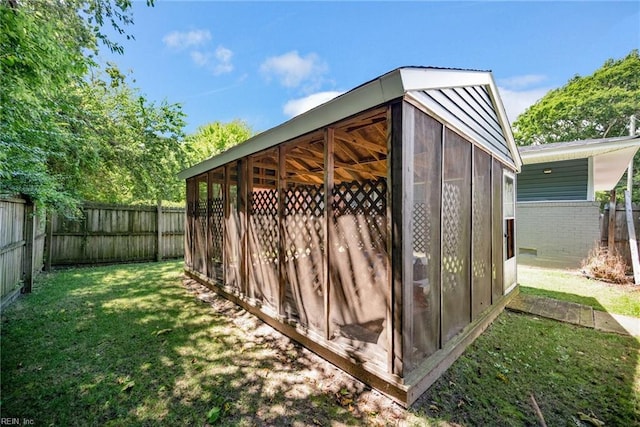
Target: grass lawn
(572,286)
(133,345)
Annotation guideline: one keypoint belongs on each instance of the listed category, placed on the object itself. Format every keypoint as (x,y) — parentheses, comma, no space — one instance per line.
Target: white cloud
(300,105)
(521,82)
(182,40)
(219,62)
(223,57)
(520,92)
(516,102)
(200,58)
(292,70)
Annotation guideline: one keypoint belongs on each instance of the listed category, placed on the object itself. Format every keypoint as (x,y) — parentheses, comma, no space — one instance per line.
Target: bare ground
(305,374)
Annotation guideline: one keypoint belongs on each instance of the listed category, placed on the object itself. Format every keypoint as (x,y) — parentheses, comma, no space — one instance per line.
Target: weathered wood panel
(13,245)
(115,233)
(172,242)
(621,233)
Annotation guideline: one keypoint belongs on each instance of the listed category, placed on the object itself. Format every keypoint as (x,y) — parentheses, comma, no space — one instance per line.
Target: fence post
(48,241)
(633,245)
(159,226)
(29,247)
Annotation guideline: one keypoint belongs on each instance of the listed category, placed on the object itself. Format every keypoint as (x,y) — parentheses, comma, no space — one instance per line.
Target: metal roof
(576,149)
(392,85)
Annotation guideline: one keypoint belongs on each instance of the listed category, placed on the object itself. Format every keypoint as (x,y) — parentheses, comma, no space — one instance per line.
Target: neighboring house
(558,217)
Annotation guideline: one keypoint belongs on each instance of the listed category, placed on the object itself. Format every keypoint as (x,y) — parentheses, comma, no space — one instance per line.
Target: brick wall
(556,233)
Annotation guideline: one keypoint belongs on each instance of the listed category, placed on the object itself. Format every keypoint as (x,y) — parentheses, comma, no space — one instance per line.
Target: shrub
(605,265)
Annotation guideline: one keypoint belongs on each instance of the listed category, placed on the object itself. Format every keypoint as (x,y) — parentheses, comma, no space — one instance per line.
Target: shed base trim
(423,377)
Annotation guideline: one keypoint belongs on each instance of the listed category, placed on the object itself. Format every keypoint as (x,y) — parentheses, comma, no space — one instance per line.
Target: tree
(40,59)
(138,143)
(47,49)
(595,106)
(214,138)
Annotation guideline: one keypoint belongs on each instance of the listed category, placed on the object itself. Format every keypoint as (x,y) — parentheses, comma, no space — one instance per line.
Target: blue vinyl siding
(471,110)
(568,180)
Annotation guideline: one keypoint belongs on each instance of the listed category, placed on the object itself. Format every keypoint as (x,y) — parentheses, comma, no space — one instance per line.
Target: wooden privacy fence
(116,233)
(104,234)
(621,233)
(22,241)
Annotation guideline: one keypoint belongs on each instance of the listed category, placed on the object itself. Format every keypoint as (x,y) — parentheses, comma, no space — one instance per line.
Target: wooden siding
(14,245)
(568,180)
(621,231)
(469,110)
(363,240)
(113,233)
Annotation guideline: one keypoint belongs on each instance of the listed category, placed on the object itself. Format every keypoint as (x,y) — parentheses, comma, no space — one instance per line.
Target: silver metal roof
(392,85)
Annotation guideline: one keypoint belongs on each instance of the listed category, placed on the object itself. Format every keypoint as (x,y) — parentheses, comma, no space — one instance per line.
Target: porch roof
(611,156)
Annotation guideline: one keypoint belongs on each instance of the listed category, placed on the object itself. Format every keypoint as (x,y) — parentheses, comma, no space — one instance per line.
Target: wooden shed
(377,229)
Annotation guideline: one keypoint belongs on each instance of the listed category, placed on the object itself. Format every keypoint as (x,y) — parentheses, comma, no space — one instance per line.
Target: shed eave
(424,79)
(389,86)
(414,78)
(383,89)
(504,122)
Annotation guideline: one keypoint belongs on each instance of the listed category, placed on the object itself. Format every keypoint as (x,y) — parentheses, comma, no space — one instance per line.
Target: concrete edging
(576,314)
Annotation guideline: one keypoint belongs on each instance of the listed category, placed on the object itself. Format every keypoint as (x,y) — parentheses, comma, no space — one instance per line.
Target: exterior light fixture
(546,171)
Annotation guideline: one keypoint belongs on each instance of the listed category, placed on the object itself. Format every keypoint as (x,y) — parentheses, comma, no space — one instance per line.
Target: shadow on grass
(126,345)
(564,296)
(576,375)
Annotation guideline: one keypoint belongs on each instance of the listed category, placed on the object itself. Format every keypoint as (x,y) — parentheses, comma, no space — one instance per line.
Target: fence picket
(621,233)
(105,234)
(118,233)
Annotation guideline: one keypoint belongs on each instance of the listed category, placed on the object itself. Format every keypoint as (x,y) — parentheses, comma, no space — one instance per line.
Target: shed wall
(455,236)
(302,234)
(470,110)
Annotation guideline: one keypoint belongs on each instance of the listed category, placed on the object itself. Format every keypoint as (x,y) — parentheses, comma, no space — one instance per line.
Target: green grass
(568,369)
(571,286)
(127,345)
(130,345)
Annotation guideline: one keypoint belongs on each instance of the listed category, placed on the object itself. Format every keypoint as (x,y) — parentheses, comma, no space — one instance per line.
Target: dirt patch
(306,374)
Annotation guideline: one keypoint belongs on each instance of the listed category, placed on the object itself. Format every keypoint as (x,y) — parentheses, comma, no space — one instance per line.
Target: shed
(377,229)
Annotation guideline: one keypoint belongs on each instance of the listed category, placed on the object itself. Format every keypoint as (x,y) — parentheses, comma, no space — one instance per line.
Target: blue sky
(264,62)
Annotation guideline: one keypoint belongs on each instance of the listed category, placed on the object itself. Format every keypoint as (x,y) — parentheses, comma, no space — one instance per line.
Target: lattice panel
(452,264)
(216,218)
(201,215)
(304,207)
(480,217)
(305,200)
(304,249)
(421,228)
(264,222)
(367,199)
